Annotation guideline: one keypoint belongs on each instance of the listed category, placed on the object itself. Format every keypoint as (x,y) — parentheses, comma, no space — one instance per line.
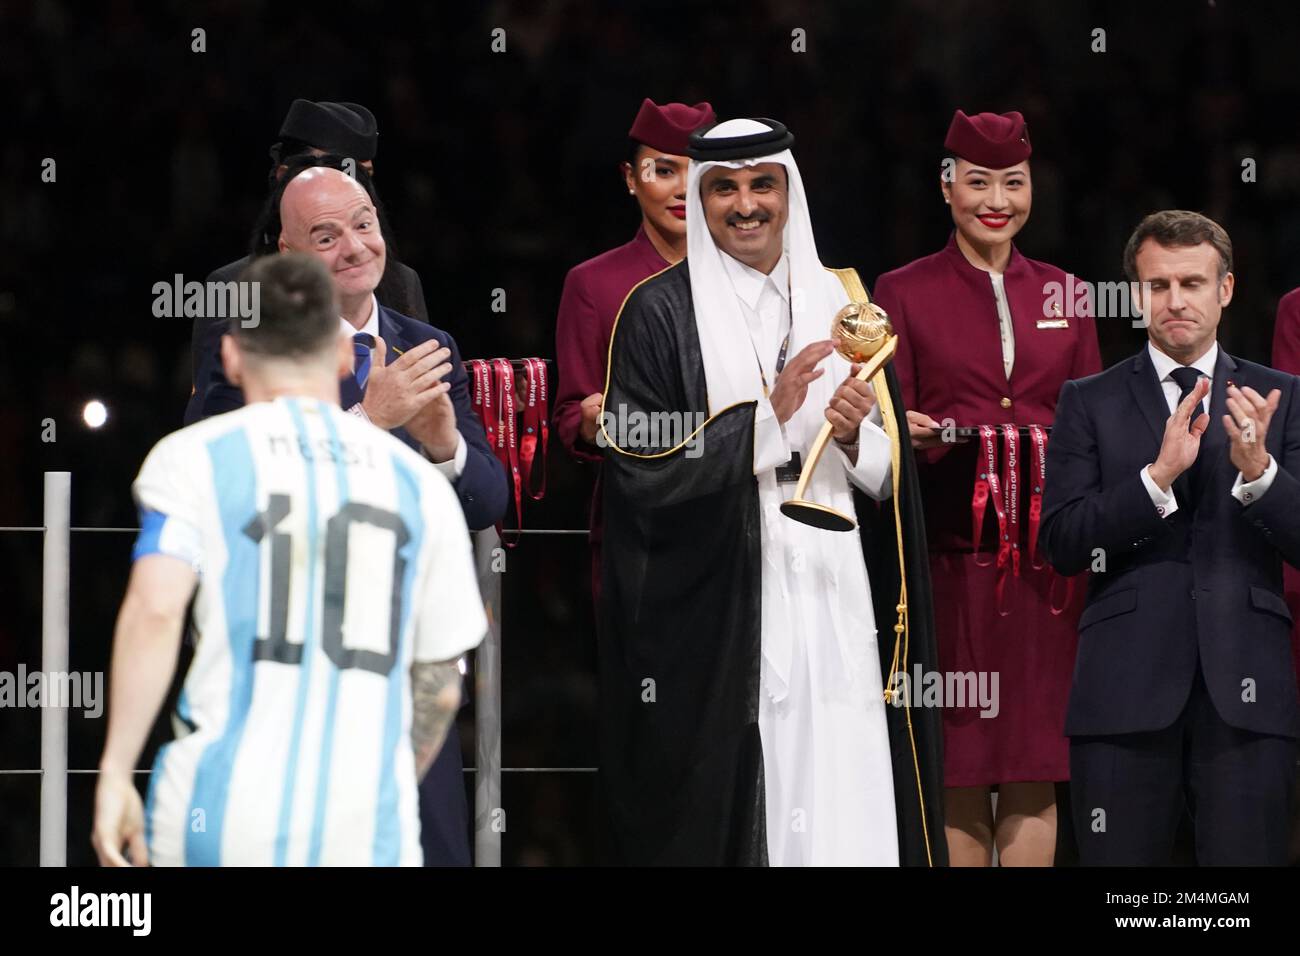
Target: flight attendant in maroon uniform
(1286,358)
(987,337)
(655,173)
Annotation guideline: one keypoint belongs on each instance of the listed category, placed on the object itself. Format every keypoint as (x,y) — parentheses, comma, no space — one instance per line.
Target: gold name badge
(1060,322)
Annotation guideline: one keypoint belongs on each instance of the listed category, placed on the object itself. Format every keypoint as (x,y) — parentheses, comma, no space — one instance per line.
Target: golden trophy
(867,337)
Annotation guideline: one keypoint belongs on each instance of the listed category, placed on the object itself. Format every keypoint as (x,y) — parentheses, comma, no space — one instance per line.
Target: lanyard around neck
(780,356)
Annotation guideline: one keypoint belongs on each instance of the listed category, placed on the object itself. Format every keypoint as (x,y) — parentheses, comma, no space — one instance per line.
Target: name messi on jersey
(326,449)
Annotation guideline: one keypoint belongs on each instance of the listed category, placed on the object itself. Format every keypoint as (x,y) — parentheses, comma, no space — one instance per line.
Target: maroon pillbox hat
(989,139)
(669,127)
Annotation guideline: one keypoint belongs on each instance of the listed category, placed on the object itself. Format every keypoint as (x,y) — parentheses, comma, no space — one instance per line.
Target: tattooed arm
(436,693)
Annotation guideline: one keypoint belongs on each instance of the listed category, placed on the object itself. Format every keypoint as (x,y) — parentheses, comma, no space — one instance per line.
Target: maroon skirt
(1012,729)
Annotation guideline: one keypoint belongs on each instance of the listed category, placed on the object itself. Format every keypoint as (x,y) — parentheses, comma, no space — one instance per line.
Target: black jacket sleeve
(1079,514)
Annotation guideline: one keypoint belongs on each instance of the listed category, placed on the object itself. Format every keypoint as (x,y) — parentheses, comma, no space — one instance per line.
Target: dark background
(499,170)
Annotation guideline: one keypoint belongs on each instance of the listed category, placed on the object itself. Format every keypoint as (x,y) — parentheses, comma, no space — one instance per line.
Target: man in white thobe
(828,782)
(742,718)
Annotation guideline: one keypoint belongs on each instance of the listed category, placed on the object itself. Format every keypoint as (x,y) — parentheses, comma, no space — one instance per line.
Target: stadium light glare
(94,414)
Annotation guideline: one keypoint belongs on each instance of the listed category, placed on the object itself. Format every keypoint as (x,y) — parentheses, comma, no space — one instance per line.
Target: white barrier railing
(55,605)
(54,660)
(487,707)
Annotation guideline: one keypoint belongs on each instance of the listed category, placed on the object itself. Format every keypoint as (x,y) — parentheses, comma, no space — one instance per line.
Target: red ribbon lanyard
(507,447)
(1039,437)
(1010,550)
(987,486)
(1051,591)
(535,426)
(482,398)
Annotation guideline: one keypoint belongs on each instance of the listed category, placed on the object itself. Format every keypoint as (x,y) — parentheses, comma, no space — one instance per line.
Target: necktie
(362,343)
(1186,377)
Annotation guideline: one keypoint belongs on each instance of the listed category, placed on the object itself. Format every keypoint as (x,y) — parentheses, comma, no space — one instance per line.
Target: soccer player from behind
(335,594)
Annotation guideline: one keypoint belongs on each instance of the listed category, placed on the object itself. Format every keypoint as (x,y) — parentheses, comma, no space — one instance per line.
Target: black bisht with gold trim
(681,764)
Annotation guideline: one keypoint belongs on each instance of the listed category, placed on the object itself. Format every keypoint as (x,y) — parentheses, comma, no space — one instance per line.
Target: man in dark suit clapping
(1184,689)
(408,379)
(346,130)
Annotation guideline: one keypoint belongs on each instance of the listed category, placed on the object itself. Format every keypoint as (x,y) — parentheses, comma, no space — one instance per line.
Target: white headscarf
(730,370)
(732,376)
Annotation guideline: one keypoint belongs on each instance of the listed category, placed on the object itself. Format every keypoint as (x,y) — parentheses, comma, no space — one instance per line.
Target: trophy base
(819,516)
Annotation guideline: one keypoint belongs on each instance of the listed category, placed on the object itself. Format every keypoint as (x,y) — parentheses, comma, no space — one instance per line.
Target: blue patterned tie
(362,343)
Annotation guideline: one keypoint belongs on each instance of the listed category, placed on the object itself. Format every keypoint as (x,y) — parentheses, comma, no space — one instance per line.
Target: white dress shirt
(765,302)
(1005,327)
(371,326)
(453,468)
(828,787)
(1165,501)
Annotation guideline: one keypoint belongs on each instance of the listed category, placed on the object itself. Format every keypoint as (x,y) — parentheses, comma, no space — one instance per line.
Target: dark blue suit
(1184,685)
(399,289)
(481,487)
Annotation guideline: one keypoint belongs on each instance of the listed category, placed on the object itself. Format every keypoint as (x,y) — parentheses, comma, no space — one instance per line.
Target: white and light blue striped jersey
(330,556)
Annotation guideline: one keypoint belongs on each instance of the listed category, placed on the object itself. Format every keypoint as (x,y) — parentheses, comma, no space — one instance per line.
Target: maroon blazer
(949,365)
(1286,358)
(1286,334)
(949,361)
(593,294)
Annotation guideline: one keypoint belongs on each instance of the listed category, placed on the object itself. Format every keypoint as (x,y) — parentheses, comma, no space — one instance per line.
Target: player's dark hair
(297,308)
